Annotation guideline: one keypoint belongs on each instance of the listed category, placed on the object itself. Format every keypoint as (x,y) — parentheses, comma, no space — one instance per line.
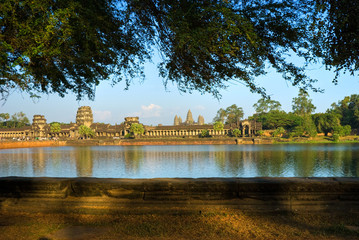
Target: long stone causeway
(177,195)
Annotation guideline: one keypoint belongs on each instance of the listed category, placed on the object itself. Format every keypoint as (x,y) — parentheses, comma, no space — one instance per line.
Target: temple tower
(179,120)
(176,122)
(189,118)
(200,120)
(84,116)
(38,125)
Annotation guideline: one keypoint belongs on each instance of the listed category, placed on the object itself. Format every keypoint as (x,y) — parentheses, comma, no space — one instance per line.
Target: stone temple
(40,129)
(84,116)
(189,120)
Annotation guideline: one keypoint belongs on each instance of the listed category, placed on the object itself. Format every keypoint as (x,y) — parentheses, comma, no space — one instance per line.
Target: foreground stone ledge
(177,195)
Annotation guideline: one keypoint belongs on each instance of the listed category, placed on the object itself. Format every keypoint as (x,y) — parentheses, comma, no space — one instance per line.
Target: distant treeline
(17,120)
(341,119)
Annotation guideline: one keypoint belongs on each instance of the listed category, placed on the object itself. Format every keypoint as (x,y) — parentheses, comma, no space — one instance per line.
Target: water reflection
(183,161)
(84,161)
(39,165)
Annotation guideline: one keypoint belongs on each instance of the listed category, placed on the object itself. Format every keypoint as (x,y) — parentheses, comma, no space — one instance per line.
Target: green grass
(316,140)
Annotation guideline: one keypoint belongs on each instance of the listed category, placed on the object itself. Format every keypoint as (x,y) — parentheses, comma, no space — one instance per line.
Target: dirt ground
(229,224)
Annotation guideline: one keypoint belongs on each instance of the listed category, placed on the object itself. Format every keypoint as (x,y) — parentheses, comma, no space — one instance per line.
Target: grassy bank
(314,140)
(212,225)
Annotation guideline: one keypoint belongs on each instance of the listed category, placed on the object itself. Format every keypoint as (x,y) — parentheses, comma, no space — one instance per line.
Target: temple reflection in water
(183,161)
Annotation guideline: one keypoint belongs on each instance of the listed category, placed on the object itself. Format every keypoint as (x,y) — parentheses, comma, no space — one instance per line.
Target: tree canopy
(265,105)
(302,105)
(55,127)
(231,114)
(275,119)
(66,45)
(326,122)
(218,126)
(137,129)
(17,120)
(4,117)
(86,132)
(348,110)
(73,45)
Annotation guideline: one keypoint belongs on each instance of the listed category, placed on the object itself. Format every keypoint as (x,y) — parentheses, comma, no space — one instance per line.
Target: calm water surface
(302,160)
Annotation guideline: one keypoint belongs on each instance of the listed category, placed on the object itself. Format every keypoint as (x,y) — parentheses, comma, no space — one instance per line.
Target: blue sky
(155,104)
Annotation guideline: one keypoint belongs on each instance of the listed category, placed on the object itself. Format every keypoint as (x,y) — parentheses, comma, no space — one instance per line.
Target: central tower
(189,118)
(84,116)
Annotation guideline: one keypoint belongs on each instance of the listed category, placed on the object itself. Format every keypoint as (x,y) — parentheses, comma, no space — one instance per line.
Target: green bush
(347,129)
(236,132)
(218,126)
(128,135)
(204,133)
(86,132)
(312,131)
(342,131)
(297,132)
(260,133)
(301,131)
(279,132)
(336,137)
(137,129)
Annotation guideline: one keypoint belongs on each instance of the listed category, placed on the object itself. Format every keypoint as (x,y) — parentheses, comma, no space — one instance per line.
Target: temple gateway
(40,129)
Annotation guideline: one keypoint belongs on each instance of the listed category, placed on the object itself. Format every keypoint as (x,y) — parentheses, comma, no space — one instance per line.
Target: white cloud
(151,107)
(149,111)
(101,116)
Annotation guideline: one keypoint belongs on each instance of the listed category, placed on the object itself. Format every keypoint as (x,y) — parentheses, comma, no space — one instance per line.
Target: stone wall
(132,142)
(140,142)
(133,196)
(28,144)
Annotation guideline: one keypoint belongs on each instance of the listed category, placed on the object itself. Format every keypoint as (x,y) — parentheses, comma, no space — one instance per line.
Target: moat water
(185,161)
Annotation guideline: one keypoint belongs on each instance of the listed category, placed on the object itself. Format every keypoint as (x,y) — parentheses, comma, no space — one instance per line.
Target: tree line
(17,120)
(339,120)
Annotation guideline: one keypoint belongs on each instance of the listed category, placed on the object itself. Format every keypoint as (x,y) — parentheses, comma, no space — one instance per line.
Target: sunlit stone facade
(84,116)
(41,130)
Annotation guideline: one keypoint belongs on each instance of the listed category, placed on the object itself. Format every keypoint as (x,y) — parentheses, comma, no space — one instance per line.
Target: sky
(154,104)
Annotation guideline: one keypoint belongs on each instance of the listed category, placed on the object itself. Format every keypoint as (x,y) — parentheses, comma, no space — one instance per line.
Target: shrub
(205,133)
(260,133)
(347,129)
(128,135)
(297,132)
(218,126)
(336,137)
(279,132)
(137,129)
(236,132)
(86,132)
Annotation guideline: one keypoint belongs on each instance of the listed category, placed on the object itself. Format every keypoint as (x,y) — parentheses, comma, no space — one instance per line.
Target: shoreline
(171,141)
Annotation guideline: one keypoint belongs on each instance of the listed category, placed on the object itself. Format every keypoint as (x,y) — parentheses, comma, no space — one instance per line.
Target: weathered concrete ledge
(135,196)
